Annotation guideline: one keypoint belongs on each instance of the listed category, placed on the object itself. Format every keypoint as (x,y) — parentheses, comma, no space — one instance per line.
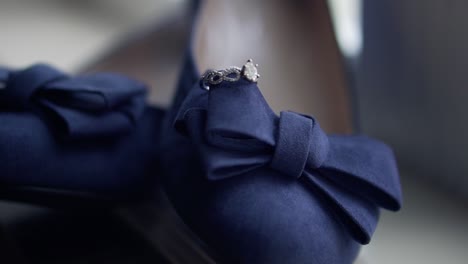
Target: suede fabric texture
(258,188)
(87,135)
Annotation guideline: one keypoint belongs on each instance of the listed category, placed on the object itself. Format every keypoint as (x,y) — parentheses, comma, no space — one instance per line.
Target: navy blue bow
(86,106)
(235,132)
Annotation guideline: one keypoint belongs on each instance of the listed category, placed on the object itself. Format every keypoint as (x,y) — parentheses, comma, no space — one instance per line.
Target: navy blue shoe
(257,187)
(90,136)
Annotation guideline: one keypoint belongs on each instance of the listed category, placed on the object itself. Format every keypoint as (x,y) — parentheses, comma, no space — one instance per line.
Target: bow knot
(85,106)
(235,133)
(300,141)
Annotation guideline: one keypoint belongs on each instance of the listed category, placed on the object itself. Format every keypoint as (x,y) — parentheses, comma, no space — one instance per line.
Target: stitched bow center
(300,143)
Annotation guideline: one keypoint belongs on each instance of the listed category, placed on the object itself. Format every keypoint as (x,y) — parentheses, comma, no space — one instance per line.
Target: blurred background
(408,66)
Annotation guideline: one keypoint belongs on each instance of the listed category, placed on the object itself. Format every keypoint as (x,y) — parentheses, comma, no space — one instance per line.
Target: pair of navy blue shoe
(255,187)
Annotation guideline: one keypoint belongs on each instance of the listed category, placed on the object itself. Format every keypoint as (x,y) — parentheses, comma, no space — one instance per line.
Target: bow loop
(21,85)
(254,130)
(85,106)
(364,164)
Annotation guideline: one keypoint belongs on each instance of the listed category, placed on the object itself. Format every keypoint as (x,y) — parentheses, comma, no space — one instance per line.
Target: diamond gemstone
(250,71)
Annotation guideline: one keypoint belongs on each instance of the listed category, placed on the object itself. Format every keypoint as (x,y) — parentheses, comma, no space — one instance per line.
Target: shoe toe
(263,218)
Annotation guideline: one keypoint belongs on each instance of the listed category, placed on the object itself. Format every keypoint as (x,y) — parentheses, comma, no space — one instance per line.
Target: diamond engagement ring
(248,71)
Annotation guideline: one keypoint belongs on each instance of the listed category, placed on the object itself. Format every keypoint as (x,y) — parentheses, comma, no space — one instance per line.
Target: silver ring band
(233,74)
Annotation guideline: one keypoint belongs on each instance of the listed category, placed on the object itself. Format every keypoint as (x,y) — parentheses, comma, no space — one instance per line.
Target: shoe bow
(85,106)
(236,132)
